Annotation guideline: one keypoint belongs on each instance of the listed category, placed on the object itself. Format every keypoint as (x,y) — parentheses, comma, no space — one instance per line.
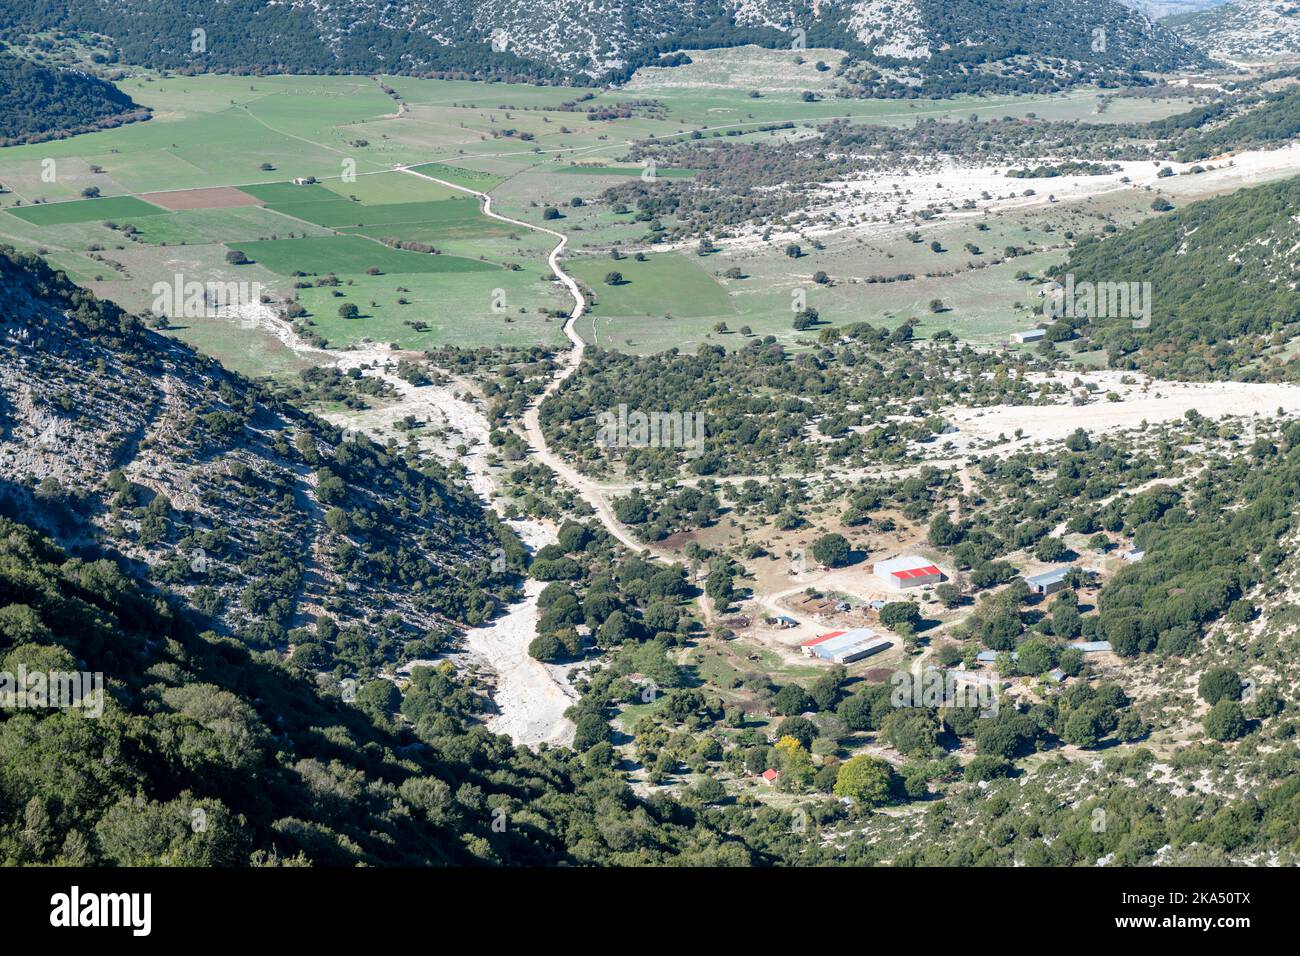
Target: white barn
(908,571)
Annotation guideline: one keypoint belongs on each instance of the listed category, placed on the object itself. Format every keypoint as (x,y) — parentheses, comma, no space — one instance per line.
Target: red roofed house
(770,775)
(909,571)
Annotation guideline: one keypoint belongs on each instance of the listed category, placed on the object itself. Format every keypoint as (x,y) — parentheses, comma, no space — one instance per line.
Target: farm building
(1049,582)
(1133,554)
(771,776)
(1091,647)
(909,571)
(990,657)
(1028,335)
(783,621)
(976,678)
(845,647)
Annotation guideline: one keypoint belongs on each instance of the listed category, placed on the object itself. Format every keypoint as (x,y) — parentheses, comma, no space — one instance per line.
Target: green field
(242,223)
(662,285)
(259,133)
(391,188)
(290,194)
(87,210)
(463,213)
(350,255)
(450,308)
(469,178)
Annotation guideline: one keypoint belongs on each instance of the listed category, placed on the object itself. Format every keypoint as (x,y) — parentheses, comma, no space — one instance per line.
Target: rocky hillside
(1247,31)
(1158,9)
(597,40)
(1008,46)
(117,441)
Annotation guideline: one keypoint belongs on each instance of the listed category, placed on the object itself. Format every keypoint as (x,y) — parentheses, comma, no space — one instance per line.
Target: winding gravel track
(586,488)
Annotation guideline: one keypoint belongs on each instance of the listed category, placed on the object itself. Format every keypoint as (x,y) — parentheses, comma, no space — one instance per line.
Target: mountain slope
(194,749)
(1244,30)
(984,46)
(588,40)
(119,441)
(1225,287)
(206,755)
(38,103)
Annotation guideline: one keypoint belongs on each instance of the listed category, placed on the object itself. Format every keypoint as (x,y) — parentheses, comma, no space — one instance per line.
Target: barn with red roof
(909,571)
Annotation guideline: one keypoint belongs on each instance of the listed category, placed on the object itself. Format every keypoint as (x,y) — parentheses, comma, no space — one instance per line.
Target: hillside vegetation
(37,102)
(972,45)
(1224,276)
(206,755)
(121,442)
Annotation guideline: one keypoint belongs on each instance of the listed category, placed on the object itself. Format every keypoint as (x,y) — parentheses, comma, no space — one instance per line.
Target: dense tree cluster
(1222,276)
(38,102)
(868,395)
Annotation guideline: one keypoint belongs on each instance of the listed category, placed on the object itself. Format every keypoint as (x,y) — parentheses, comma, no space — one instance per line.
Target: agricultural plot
(215,197)
(419,311)
(397,187)
(662,285)
(469,178)
(220,225)
(350,255)
(212,172)
(86,210)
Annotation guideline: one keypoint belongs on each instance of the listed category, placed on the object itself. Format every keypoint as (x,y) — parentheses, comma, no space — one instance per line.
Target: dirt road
(585,488)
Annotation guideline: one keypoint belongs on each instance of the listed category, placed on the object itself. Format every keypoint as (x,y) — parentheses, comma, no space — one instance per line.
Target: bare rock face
(120,442)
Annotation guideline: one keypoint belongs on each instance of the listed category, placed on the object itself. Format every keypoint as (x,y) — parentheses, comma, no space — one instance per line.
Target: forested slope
(207,755)
(37,102)
(1223,276)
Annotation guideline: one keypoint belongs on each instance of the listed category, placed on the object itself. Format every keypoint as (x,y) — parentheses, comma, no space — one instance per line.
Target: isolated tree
(791,700)
(1036,656)
(1067,622)
(1225,721)
(614,278)
(1083,728)
(800,728)
(1220,683)
(949,594)
(348,310)
(864,780)
(900,615)
(805,319)
(831,550)
(1051,549)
